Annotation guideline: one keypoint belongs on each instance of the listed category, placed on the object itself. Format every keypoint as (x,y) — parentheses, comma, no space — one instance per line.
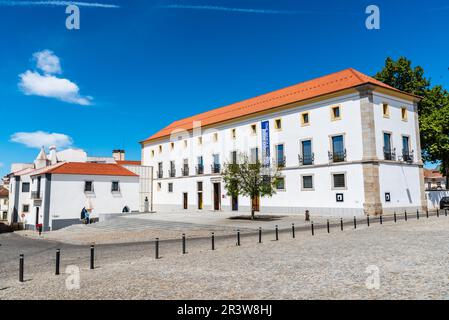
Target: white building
(4,200)
(347,145)
(52,192)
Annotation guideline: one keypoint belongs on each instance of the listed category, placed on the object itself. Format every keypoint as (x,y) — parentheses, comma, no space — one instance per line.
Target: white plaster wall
(68,197)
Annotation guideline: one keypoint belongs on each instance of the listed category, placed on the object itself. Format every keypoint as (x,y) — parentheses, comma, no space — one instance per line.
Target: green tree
(433,109)
(251,180)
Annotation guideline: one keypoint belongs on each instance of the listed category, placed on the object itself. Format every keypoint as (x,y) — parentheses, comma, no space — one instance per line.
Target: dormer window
(253,129)
(278,124)
(305,119)
(386,110)
(335,113)
(404,115)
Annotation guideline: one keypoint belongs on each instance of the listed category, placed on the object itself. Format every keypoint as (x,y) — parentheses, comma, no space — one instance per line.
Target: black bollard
(238,237)
(156,243)
(341,224)
(380,219)
(405,215)
(367,221)
(213,241)
(328,227)
(445,212)
(293,230)
(21,268)
(277,233)
(417,214)
(438,213)
(260,235)
(395,217)
(92,257)
(183,243)
(58,257)
(313,231)
(427,213)
(355,223)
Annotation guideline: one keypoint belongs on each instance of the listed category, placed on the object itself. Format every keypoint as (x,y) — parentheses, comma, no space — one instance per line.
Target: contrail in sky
(14,3)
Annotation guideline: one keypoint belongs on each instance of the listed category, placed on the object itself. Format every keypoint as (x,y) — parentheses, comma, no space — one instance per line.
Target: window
(26,208)
(234,157)
(386,110)
(335,113)
(280,183)
(388,155)
(88,186)
(307,155)
(278,124)
(216,163)
(185,143)
(307,182)
(159,186)
(172,169)
(152,153)
(25,187)
(115,187)
(305,119)
(172,145)
(215,137)
(254,155)
(160,149)
(160,173)
(339,181)
(404,115)
(200,140)
(280,155)
(233,134)
(253,129)
(338,149)
(170,187)
(406,155)
(200,167)
(199,186)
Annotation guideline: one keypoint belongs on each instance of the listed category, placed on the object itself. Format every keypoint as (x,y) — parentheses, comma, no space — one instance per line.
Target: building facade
(4,203)
(53,193)
(346,144)
(434,180)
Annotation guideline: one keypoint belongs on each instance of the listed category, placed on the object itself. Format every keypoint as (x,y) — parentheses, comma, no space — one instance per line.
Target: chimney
(118,155)
(53,158)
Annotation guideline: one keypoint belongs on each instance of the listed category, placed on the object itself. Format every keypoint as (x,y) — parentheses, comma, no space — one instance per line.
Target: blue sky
(146,63)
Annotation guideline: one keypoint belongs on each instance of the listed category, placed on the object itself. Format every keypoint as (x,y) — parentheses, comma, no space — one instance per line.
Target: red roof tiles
(129,162)
(88,168)
(332,83)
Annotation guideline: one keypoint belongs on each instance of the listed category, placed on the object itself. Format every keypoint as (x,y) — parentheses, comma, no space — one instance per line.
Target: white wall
(68,197)
(434,197)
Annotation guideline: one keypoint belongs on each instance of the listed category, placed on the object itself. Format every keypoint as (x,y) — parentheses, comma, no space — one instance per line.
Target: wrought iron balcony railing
(200,169)
(159,174)
(408,156)
(216,168)
(390,154)
(306,160)
(339,156)
(185,171)
(280,162)
(172,173)
(36,195)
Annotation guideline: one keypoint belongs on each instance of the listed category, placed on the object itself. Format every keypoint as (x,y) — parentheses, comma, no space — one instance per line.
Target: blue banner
(266,143)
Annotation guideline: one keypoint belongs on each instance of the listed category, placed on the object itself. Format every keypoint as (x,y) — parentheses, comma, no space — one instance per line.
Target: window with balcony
(338,153)
(306,157)
(388,152)
(200,165)
(172,171)
(25,187)
(406,154)
(185,168)
(216,167)
(280,155)
(307,182)
(160,173)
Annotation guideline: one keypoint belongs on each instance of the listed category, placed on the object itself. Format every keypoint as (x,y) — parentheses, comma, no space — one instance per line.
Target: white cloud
(33,83)
(40,139)
(47,61)
(48,85)
(12,3)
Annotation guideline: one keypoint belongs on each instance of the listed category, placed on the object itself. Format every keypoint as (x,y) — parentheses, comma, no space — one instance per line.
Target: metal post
(213,241)
(92,257)
(313,231)
(58,258)
(438,213)
(293,230)
(341,224)
(355,222)
(395,217)
(156,243)
(367,221)
(277,233)
(417,214)
(405,215)
(238,237)
(260,235)
(427,213)
(183,243)
(328,227)
(21,268)
(445,212)
(380,219)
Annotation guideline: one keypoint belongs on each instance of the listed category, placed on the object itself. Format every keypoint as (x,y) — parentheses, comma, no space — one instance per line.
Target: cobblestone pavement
(410,256)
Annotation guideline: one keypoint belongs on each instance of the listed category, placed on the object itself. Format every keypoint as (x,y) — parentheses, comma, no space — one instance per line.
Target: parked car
(444,203)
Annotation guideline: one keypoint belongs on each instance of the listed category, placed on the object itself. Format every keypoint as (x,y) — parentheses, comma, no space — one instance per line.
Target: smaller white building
(53,192)
(4,197)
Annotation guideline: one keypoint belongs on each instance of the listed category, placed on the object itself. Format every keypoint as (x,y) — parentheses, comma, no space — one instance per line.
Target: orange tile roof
(130,162)
(332,83)
(89,168)
(4,192)
(432,174)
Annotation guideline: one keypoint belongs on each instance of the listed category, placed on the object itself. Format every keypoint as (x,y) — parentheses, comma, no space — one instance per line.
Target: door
(185,196)
(235,203)
(37,215)
(217,196)
(256,204)
(200,201)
